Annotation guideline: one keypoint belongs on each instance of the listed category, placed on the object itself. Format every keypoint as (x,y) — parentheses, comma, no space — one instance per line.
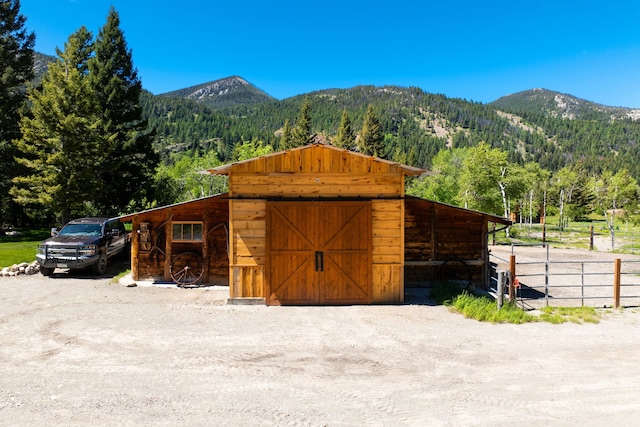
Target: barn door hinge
(319,261)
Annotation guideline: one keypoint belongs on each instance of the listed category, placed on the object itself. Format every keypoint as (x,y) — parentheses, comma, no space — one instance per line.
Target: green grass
(575,235)
(484,309)
(570,314)
(21,248)
(119,276)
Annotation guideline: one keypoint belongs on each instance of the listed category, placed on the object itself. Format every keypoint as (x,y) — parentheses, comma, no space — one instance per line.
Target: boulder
(22,268)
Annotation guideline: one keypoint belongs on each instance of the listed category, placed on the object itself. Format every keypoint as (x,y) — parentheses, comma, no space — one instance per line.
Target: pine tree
(301,134)
(345,137)
(60,144)
(130,166)
(16,69)
(371,140)
(285,139)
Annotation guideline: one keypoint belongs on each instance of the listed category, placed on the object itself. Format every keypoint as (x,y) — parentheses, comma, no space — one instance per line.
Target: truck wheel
(45,271)
(101,266)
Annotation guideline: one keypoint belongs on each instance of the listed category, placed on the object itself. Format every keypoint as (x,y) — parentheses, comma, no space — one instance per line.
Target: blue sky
(475,50)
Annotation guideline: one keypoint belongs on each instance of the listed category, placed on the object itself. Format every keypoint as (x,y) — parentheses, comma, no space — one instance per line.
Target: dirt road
(82,351)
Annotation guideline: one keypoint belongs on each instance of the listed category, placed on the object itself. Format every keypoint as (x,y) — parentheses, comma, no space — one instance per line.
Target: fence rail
(592,235)
(548,281)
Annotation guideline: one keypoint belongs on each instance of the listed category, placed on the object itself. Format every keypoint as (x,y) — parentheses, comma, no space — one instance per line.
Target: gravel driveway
(82,351)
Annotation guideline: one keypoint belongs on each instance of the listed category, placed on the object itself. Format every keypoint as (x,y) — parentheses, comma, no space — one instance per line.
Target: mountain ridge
(222,93)
(212,93)
(561,105)
(538,125)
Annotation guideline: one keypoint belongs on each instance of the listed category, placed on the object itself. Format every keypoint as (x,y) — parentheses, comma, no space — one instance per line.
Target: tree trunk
(505,204)
(561,219)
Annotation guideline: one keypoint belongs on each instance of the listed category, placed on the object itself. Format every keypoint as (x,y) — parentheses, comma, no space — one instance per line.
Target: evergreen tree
(301,134)
(16,69)
(285,139)
(345,137)
(371,140)
(131,162)
(60,143)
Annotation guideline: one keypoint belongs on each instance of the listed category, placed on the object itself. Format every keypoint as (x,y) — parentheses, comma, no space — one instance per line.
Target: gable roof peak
(317,146)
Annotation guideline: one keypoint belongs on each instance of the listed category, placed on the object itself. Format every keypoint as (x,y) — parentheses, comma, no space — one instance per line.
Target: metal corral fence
(545,281)
(595,235)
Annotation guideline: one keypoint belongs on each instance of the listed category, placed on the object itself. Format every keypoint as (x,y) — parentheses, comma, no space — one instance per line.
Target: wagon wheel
(187,269)
(456,272)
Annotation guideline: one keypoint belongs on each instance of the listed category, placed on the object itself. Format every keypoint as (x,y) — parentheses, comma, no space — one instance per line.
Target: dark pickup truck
(83,243)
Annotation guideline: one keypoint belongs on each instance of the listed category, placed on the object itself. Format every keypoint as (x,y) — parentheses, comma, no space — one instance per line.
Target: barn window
(188,231)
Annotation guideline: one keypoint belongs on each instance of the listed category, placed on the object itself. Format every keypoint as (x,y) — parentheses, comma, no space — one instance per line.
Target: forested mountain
(223,93)
(559,105)
(550,128)
(40,64)
(416,125)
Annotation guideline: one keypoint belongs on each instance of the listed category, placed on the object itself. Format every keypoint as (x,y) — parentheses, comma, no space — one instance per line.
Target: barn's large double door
(319,253)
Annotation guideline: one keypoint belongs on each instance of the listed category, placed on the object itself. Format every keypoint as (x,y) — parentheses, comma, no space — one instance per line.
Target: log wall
(152,252)
(435,233)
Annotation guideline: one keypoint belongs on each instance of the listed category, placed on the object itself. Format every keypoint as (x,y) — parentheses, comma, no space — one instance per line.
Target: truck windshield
(80,230)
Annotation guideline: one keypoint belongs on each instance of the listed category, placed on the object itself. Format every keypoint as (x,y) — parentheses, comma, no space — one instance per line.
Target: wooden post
(434,240)
(500,289)
(168,232)
(205,243)
(233,272)
(494,234)
(591,238)
(135,242)
(484,269)
(512,269)
(616,282)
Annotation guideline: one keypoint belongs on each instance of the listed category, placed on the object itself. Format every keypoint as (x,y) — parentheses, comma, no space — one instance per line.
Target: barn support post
(205,241)
(617,266)
(500,289)
(434,239)
(135,246)
(512,270)
(233,271)
(484,269)
(168,232)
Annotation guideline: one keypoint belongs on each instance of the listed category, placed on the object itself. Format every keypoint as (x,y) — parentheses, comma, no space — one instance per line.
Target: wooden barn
(315,225)
(166,240)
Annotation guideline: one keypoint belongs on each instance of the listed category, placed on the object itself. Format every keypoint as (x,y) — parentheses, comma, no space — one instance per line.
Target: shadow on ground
(115,266)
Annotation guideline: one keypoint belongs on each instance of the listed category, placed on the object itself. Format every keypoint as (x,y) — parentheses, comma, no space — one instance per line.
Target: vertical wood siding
(388,251)
(247,247)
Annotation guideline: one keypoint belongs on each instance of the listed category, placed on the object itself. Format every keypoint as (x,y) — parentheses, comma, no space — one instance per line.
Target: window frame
(182,231)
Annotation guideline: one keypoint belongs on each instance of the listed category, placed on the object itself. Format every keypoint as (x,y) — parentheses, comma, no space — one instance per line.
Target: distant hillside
(550,128)
(560,105)
(416,125)
(223,93)
(40,64)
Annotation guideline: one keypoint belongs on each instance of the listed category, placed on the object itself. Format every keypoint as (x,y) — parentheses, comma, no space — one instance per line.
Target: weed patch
(570,314)
(484,309)
(119,276)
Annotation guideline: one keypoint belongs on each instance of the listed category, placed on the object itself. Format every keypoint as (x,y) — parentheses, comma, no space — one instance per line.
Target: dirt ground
(82,351)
